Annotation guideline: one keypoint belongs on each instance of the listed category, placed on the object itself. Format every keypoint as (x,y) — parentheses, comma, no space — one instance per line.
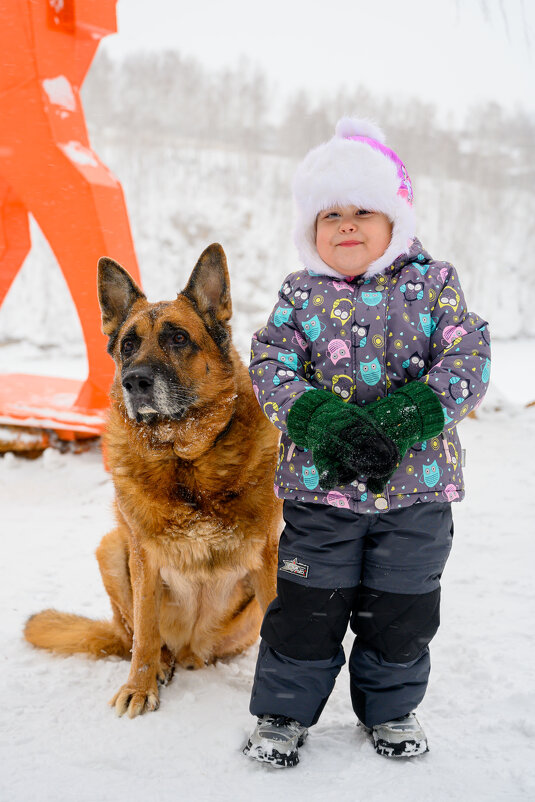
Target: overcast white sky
(453,52)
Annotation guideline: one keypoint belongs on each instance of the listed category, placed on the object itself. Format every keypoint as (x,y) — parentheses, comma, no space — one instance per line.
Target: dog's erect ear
(117,292)
(209,285)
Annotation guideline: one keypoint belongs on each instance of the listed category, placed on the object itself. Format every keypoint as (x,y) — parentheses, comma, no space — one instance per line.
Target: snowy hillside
(182,196)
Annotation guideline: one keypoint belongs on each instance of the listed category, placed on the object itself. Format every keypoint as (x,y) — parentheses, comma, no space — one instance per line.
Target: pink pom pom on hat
(354,168)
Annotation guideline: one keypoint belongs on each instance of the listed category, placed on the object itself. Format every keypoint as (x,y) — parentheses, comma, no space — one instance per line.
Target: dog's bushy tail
(66,633)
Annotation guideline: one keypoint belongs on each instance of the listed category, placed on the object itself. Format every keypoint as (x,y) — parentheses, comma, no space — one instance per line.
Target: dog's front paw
(167,666)
(135,700)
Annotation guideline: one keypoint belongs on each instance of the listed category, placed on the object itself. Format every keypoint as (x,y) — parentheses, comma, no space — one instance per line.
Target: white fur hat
(353,168)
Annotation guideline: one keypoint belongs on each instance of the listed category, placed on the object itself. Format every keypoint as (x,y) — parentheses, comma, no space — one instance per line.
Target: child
(368,362)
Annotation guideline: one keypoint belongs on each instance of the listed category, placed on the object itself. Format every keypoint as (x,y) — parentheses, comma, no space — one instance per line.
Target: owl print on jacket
(361,340)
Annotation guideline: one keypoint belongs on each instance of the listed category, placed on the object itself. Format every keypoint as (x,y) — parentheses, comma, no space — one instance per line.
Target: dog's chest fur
(185,591)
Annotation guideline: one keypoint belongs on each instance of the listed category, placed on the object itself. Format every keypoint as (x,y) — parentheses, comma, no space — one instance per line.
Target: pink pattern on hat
(405,184)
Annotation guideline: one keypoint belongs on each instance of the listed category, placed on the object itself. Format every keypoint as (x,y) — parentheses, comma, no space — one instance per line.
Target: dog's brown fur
(192,561)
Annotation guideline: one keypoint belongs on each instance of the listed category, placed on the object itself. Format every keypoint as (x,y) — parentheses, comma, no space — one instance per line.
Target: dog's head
(170,356)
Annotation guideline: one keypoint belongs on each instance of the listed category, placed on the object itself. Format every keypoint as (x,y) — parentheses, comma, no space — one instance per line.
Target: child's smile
(349,239)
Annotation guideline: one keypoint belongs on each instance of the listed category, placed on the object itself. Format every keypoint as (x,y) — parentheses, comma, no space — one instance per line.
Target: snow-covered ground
(61,742)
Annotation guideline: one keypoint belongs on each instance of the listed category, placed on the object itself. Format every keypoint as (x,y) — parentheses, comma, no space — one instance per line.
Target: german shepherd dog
(192,562)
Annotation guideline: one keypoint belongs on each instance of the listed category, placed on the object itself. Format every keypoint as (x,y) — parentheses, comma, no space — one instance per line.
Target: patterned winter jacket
(363,339)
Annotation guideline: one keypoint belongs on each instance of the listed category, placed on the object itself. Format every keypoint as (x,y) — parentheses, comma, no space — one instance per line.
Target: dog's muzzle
(151,394)
(138,391)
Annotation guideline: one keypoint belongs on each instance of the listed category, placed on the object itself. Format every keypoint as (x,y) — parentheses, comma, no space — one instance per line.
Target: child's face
(348,239)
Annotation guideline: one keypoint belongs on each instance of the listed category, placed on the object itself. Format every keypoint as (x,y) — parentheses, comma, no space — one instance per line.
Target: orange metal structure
(48,169)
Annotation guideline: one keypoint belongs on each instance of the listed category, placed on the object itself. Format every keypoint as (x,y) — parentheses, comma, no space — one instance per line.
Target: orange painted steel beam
(47,402)
(48,169)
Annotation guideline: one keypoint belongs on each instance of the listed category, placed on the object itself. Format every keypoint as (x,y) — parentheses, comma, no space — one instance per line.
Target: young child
(368,362)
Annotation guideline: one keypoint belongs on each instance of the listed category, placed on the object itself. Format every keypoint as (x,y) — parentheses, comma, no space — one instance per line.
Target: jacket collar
(416,254)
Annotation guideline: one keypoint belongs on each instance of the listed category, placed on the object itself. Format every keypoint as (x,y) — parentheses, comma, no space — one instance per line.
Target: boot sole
(400,750)
(279,760)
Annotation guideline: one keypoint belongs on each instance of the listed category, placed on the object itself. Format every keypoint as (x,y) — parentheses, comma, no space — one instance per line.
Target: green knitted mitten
(411,414)
(320,422)
(348,441)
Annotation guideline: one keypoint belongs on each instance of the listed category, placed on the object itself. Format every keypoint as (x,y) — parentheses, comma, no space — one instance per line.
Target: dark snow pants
(380,572)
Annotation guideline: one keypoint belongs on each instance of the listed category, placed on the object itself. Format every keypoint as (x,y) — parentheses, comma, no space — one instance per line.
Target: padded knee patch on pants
(307,623)
(397,625)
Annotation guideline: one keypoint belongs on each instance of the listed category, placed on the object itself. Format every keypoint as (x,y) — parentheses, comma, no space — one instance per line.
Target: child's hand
(344,442)
(359,450)
(349,441)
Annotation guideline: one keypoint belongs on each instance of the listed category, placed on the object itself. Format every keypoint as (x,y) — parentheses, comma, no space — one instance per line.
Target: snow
(6,436)
(181,197)
(510,359)
(79,154)
(59,92)
(61,741)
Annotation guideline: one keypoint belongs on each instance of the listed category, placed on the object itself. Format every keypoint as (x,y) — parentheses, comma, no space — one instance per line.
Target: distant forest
(162,96)
(207,156)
